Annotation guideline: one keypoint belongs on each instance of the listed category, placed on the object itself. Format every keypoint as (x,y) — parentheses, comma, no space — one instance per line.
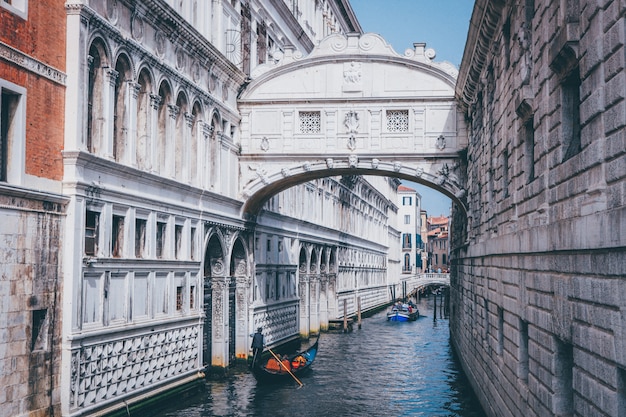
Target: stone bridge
(417,282)
(353,106)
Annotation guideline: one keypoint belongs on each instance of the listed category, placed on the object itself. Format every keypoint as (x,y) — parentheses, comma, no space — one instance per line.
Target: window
(39,326)
(397,121)
(564,374)
(117,236)
(179,298)
(523,350)
(310,122)
(570,114)
(505,173)
(18,7)
(140,237)
(178,236)
(160,239)
(192,247)
(12,134)
(92,220)
(407,201)
(192,297)
(406,241)
(529,149)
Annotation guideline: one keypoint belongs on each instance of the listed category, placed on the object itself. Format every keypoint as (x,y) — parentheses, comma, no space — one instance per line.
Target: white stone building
(410,225)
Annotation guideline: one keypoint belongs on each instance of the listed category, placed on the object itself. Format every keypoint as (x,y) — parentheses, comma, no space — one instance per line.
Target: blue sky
(441,24)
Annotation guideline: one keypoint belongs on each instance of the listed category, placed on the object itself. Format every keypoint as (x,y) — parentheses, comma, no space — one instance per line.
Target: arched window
(163,113)
(144,111)
(95,105)
(196,115)
(120,115)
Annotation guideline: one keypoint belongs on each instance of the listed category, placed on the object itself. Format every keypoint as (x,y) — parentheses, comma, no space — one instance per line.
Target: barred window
(310,122)
(397,121)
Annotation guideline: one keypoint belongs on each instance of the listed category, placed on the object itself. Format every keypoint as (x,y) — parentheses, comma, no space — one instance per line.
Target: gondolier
(257,345)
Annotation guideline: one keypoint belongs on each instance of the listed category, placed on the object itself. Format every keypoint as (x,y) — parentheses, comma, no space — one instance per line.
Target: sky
(442,25)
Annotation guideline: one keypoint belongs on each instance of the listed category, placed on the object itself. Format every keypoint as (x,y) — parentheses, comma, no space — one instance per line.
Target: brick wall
(538,314)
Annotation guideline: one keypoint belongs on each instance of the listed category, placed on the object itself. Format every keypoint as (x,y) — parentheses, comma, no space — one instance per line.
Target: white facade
(410,226)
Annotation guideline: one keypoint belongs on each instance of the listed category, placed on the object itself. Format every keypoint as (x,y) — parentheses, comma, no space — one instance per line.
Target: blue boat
(403,312)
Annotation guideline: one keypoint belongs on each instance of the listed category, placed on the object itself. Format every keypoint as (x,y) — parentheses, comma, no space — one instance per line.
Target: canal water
(383,369)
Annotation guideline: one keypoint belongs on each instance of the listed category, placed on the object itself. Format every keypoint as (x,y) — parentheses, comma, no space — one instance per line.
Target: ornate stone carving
(441,143)
(265,144)
(137,27)
(108,370)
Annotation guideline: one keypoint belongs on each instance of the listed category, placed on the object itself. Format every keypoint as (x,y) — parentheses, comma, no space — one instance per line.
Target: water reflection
(383,369)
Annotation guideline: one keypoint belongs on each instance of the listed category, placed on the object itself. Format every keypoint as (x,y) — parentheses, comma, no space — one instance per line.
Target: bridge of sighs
(353,106)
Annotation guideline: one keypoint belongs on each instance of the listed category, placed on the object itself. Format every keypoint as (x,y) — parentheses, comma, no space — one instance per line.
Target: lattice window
(310,122)
(397,121)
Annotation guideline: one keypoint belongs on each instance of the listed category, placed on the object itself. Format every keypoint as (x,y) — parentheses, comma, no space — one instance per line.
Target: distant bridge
(415,283)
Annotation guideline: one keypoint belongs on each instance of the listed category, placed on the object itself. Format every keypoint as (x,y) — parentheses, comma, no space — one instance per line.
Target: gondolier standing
(257,345)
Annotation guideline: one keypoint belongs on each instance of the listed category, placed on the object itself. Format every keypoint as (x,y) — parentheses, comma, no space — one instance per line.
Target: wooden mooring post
(345,316)
(359,311)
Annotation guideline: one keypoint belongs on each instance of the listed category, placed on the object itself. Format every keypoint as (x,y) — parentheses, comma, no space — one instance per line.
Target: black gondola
(271,370)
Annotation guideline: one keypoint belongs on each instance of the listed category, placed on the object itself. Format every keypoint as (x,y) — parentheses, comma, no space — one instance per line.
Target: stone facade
(32,209)
(538,288)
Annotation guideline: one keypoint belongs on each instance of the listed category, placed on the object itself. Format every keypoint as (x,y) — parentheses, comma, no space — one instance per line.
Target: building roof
(405,188)
(438,220)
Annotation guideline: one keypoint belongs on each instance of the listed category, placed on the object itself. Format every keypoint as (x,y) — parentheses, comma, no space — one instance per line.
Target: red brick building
(32,90)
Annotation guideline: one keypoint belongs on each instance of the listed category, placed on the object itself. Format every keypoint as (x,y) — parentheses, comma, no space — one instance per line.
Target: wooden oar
(286,369)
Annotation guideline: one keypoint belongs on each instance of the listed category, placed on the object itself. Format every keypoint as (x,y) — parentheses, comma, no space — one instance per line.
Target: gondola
(270,370)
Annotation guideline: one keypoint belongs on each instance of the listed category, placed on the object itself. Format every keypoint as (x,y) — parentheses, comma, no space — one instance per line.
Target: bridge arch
(353,106)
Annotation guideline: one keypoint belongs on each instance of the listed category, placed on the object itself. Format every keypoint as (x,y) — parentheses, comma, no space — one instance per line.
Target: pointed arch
(121,98)
(99,62)
(180,141)
(144,120)
(165,99)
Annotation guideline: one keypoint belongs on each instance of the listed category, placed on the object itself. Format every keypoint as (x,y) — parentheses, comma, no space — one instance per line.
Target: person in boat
(258,343)
(298,362)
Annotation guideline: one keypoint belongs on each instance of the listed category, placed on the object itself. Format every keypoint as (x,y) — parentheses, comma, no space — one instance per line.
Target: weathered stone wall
(30,305)
(539,275)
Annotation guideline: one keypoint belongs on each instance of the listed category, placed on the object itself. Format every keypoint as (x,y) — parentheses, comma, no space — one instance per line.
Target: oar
(286,369)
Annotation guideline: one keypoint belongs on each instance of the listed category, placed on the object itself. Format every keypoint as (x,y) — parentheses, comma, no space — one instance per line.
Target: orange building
(32,91)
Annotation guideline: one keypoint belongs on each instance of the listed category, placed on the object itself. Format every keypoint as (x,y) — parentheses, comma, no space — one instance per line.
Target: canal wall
(538,312)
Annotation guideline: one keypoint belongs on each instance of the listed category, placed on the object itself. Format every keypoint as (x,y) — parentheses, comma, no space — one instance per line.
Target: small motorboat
(403,312)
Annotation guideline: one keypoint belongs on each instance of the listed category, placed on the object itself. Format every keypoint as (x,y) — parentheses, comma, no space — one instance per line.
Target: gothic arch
(163,116)
(144,118)
(124,70)
(97,80)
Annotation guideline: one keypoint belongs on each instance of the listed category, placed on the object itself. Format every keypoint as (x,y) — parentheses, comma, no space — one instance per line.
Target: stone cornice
(31,64)
(485,19)
(285,13)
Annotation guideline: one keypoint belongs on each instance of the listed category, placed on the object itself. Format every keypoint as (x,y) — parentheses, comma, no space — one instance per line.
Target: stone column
(303,292)
(314,292)
(219,336)
(108,106)
(323,302)
(153,141)
(242,338)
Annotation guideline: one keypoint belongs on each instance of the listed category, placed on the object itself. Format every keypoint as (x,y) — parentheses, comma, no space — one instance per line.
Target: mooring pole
(345,316)
(435,309)
(359,310)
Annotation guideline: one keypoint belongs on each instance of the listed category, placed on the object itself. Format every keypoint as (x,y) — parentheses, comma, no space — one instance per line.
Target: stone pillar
(219,337)
(153,141)
(314,290)
(242,341)
(323,302)
(303,292)
(332,296)
(170,142)
(131,132)
(108,106)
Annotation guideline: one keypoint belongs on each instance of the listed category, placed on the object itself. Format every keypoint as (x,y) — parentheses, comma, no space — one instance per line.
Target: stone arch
(163,115)
(314,265)
(99,62)
(180,137)
(143,157)
(438,177)
(213,270)
(121,97)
